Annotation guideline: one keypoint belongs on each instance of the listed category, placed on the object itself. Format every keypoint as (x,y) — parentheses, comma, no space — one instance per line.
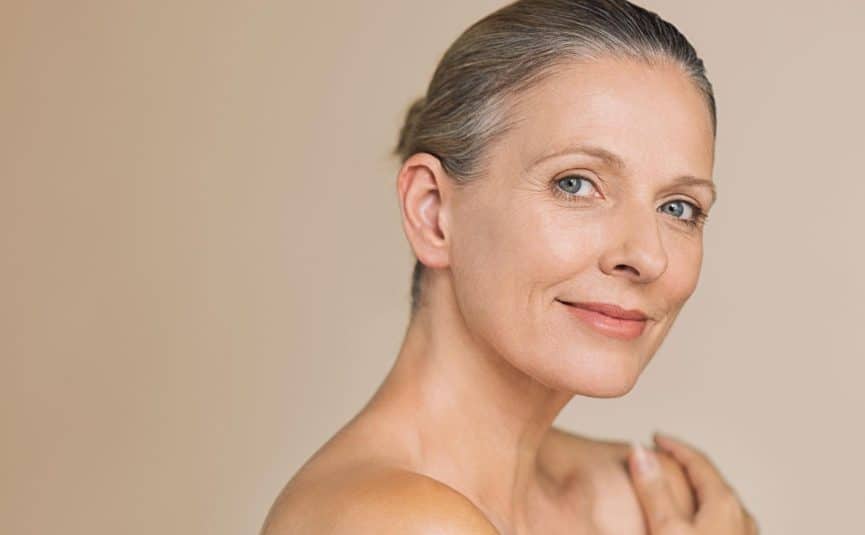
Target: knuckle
(678,528)
(728,491)
(729,503)
(667,523)
(657,490)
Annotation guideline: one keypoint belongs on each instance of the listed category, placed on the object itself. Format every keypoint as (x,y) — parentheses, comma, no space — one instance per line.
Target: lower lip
(608,325)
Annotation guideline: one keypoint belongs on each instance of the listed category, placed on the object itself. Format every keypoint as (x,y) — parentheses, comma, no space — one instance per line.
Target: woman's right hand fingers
(707,481)
(655,496)
(719,511)
(718,505)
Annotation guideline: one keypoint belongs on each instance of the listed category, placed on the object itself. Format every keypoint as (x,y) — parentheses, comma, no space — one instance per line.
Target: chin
(600,375)
(607,389)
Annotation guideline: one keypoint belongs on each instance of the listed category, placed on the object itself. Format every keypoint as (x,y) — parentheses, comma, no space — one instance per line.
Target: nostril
(628,268)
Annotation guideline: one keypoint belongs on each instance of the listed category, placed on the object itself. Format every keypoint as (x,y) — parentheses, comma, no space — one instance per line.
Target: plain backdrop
(203,273)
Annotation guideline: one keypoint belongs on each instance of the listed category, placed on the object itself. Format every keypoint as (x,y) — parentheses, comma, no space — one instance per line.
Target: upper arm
(376,501)
(406,503)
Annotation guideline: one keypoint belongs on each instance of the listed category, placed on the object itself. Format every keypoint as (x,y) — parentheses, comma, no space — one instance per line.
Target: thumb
(652,489)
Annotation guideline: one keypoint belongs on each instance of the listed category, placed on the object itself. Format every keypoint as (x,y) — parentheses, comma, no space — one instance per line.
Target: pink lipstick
(610,320)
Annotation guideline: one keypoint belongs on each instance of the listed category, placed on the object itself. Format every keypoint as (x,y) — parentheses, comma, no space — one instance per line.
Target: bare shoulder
(375,500)
(614,455)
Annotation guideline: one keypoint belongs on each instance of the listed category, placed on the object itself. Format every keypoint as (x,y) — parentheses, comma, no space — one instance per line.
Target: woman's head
(557,134)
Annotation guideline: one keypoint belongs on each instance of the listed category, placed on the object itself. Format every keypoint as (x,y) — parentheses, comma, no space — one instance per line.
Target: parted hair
(466,105)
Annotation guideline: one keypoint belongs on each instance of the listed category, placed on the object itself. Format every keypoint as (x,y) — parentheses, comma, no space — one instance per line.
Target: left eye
(677,208)
(574,185)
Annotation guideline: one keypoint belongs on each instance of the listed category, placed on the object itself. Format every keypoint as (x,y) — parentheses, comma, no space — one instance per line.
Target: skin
(459,436)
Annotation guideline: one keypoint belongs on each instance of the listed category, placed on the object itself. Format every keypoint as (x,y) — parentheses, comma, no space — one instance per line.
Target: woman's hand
(719,511)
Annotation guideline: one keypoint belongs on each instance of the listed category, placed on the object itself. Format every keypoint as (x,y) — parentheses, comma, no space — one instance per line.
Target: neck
(477,423)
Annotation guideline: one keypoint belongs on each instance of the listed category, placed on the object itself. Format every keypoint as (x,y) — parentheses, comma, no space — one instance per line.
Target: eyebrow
(616,162)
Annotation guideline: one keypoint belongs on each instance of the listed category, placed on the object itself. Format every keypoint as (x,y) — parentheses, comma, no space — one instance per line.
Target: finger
(708,483)
(652,490)
(751,522)
(680,486)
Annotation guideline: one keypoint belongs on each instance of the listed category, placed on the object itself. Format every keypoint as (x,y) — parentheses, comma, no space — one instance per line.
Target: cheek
(550,246)
(510,262)
(488,262)
(564,241)
(517,254)
(683,271)
(480,260)
(508,268)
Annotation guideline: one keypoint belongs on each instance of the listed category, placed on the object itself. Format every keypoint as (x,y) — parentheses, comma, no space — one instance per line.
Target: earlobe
(419,186)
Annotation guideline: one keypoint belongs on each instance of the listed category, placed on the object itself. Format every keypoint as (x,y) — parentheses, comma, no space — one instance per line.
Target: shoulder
(377,500)
(400,501)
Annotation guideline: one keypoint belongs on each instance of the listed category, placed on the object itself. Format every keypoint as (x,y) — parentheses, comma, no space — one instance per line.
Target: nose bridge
(637,248)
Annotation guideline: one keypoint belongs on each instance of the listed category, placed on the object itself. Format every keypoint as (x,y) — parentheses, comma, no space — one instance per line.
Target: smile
(614,327)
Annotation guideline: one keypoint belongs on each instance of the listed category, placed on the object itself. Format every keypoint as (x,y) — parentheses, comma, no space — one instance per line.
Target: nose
(635,248)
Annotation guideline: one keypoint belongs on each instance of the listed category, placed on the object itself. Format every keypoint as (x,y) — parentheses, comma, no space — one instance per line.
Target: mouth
(611,310)
(610,320)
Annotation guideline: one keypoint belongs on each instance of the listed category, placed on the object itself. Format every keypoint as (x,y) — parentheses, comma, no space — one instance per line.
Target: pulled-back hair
(466,105)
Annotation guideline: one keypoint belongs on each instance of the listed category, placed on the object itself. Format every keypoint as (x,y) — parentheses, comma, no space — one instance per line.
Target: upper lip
(609,309)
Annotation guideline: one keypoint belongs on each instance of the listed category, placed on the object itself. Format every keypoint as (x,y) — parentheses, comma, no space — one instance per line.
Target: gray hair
(511,50)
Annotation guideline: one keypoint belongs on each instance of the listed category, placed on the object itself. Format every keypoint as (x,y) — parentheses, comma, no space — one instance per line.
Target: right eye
(573,185)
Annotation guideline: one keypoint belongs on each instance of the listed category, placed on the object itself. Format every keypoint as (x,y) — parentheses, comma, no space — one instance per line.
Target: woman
(554,185)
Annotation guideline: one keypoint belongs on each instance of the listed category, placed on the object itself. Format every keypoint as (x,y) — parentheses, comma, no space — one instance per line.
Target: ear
(424,189)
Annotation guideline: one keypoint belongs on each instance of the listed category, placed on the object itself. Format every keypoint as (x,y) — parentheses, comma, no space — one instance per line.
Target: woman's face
(555,221)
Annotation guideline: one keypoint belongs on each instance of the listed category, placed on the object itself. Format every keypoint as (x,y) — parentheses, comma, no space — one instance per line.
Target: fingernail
(647,464)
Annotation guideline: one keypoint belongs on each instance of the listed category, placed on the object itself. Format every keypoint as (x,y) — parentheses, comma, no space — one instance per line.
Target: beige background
(203,274)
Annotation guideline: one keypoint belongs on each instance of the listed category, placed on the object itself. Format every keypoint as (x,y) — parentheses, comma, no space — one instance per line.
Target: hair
(465,108)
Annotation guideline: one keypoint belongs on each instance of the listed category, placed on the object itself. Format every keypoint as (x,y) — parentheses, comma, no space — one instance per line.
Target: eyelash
(699,220)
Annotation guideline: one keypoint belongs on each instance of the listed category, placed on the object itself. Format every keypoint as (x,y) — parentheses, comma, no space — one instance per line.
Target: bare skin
(459,437)
(587,492)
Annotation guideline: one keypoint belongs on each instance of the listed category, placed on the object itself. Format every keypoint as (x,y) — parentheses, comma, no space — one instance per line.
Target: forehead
(653,116)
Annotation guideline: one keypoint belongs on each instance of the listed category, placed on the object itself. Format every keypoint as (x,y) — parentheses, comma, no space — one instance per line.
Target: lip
(610,320)
(614,311)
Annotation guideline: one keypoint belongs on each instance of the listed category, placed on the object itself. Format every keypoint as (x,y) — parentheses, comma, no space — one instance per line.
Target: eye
(696,216)
(573,186)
